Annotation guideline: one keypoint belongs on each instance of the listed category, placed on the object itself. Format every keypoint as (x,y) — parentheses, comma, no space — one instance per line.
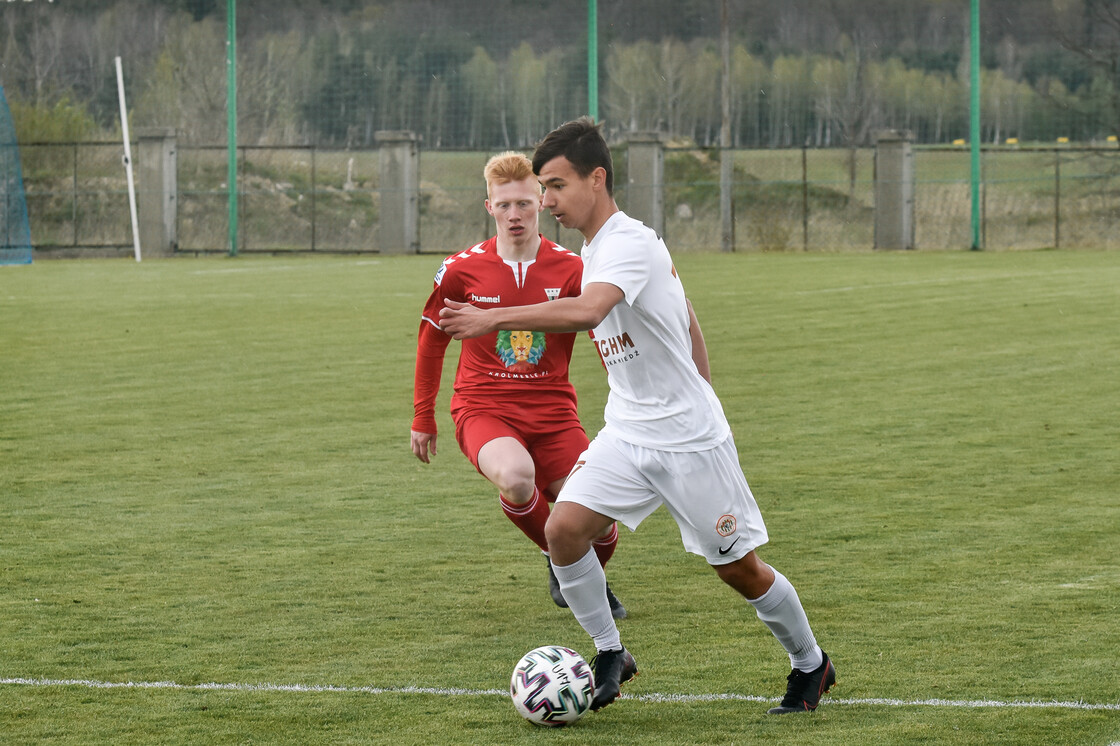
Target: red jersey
(532,366)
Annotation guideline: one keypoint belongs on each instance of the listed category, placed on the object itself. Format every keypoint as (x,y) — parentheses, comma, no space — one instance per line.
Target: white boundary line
(459,692)
(256,268)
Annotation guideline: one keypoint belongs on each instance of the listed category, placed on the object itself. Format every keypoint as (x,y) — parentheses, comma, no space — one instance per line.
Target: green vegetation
(63,121)
(206,479)
(334,73)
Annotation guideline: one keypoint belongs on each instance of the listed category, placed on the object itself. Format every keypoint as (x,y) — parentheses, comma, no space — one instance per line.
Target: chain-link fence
(810,85)
(310,199)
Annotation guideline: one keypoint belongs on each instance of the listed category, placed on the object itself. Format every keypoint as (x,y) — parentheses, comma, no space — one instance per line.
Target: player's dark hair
(581,142)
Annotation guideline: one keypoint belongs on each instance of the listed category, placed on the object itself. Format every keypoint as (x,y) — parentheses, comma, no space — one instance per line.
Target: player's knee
(518,492)
(554,532)
(727,573)
(749,575)
(570,530)
(564,534)
(516,484)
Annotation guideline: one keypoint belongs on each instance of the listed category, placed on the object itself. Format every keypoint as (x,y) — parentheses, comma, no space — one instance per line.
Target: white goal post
(128,162)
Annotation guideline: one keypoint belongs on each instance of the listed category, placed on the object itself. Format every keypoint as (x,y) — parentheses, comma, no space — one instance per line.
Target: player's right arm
(430,348)
(431,345)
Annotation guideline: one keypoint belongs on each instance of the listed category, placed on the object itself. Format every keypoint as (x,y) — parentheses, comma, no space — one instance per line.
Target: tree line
(499,74)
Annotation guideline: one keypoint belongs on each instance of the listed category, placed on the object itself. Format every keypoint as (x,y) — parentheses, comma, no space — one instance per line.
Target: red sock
(530,517)
(604,547)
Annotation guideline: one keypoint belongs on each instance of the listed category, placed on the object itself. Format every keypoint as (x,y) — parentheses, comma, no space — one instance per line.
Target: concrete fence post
(157,192)
(399,186)
(894,191)
(645,187)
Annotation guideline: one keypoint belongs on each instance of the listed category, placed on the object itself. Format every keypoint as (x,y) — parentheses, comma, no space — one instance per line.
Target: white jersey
(657,399)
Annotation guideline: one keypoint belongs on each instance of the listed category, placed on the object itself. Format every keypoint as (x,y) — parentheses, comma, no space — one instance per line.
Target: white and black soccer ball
(552,685)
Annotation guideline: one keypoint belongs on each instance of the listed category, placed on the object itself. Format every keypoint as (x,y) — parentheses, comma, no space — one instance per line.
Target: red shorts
(554,447)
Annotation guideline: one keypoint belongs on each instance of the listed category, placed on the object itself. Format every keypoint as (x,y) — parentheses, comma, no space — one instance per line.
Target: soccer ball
(552,685)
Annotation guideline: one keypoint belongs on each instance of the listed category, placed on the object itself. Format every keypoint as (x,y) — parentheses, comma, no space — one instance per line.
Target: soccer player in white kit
(665,440)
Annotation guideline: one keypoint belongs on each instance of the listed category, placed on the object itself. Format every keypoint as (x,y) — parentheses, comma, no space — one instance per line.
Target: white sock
(780,609)
(584,585)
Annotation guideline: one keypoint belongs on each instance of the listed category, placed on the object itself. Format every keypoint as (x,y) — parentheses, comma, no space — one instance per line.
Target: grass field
(212,529)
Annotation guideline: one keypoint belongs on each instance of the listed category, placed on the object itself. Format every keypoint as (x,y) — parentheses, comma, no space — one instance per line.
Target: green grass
(205,477)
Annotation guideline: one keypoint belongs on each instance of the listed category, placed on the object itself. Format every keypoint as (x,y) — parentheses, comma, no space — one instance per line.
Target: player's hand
(462,320)
(423,444)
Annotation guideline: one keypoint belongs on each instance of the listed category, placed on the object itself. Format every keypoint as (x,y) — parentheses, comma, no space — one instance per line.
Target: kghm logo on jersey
(616,349)
(552,293)
(520,351)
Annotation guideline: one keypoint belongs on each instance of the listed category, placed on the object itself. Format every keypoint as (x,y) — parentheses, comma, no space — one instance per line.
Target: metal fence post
(805,197)
(314,188)
(74,197)
(1057,199)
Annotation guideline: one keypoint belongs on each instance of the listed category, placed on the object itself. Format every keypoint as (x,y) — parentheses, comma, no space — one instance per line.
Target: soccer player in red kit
(513,406)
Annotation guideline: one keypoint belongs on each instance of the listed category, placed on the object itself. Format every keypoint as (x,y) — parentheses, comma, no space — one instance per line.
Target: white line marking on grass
(462,692)
(215,686)
(240,270)
(272,268)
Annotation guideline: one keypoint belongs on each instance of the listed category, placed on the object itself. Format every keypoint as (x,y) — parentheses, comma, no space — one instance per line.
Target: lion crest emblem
(520,351)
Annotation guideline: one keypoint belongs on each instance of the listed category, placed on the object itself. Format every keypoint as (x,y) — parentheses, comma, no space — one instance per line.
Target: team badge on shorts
(725,526)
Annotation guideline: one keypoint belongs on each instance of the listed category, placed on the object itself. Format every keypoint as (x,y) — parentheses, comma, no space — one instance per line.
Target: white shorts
(705,492)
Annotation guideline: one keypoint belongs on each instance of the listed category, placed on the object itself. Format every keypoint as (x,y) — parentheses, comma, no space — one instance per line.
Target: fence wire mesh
(318,79)
(326,200)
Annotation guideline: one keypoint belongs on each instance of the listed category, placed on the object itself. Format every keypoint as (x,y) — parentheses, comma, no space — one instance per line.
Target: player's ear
(488,209)
(599,178)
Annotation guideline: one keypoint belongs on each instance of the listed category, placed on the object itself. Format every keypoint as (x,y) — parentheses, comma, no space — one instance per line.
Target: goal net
(15,232)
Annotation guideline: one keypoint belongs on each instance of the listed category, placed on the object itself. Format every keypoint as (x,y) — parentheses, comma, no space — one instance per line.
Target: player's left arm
(699,348)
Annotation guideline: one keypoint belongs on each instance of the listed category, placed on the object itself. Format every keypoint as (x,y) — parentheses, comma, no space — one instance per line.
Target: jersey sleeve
(430,349)
(623,266)
(442,287)
(431,346)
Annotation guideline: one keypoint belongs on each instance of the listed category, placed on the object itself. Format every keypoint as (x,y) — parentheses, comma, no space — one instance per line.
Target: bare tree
(480,75)
(633,85)
(41,56)
(186,88)
(1091,30)
(750,78)
(852,105)
(527,74)
(267,87)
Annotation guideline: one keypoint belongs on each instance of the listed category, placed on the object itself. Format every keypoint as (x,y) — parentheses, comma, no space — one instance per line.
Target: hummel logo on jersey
(486,298)
(552,293)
